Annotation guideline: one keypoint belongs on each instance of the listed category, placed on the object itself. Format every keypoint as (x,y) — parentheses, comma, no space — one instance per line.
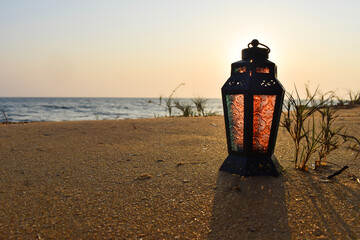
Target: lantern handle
(255,43)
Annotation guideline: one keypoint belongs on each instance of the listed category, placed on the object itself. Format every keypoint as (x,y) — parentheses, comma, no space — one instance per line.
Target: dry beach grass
(159,179)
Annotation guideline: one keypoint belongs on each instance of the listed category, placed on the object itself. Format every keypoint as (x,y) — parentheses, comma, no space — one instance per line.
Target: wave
(56,107)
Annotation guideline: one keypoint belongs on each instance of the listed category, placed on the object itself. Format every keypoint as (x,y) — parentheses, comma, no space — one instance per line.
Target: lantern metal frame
(253,76)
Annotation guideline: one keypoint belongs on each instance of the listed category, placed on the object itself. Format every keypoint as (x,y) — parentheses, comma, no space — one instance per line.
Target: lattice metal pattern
(268,83)
(264,106)
(238,82)
(235,106)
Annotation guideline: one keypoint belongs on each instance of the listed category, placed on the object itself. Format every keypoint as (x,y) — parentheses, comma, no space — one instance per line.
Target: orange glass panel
(262,70)
(235,106)
(264,106)
(240,69)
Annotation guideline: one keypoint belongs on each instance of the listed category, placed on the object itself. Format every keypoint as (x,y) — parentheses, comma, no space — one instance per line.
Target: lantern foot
(251,166)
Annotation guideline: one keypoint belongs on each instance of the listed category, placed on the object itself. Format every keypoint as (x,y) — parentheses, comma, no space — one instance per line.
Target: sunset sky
(145,48)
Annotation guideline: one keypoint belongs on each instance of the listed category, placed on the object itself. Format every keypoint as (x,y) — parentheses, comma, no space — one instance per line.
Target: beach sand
(159,179)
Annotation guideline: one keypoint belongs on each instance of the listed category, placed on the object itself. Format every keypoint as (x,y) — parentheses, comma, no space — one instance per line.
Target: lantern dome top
(255,52)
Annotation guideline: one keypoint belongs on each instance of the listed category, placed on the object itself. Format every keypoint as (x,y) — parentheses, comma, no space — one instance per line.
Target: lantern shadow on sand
(252,100)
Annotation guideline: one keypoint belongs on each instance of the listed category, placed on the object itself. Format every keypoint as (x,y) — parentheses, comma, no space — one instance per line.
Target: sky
(146,48)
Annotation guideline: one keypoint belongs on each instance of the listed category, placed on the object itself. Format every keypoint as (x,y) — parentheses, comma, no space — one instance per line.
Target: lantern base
(251,166)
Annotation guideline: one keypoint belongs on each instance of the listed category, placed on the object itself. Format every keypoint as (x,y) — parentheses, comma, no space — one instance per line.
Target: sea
(77,109)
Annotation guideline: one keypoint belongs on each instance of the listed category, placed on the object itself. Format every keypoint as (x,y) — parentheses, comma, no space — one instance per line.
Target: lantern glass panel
(262,70)
(235,107)
(264,106)
(240,70)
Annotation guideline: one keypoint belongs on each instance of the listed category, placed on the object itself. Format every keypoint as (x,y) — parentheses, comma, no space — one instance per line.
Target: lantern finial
(254,43)
(255,52)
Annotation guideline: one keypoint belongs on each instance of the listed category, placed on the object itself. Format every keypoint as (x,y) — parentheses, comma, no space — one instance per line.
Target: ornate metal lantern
(252,100)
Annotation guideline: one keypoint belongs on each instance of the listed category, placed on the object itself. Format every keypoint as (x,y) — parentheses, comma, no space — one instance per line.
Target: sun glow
(110,49)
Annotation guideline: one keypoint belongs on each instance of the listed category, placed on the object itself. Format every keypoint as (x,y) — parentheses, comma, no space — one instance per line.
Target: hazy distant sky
(145,48)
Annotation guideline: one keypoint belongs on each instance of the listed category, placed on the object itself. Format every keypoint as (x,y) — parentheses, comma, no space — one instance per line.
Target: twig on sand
(5,117)
(337,172)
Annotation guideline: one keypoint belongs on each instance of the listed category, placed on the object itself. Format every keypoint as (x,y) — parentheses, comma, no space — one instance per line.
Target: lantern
(252,100)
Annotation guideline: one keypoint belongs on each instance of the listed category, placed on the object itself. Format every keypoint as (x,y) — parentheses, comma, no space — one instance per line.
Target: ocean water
(75,109)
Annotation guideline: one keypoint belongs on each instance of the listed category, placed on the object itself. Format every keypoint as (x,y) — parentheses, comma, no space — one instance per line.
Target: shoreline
(25,122)
(60,109)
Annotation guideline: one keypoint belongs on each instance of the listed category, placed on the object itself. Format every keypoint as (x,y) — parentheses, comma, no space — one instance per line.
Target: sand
(159,179)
